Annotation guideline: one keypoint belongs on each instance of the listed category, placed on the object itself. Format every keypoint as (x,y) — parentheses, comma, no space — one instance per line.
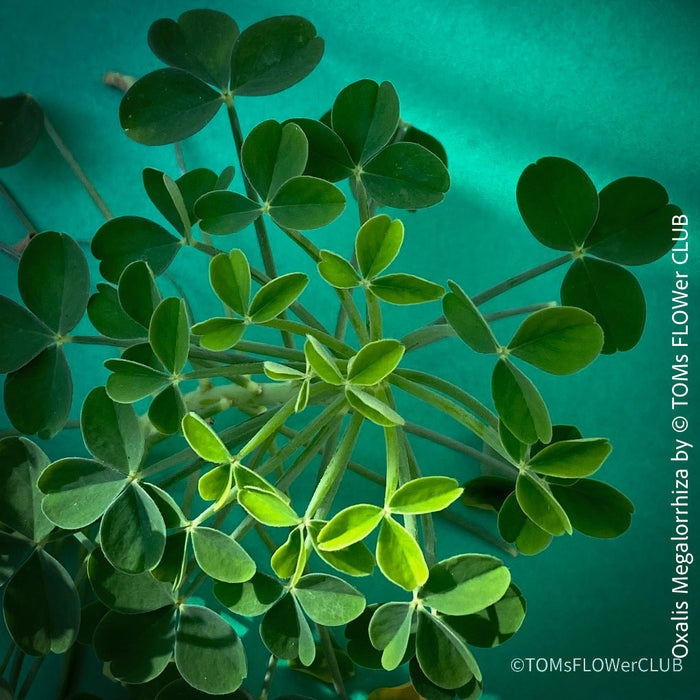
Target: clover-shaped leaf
(21,124)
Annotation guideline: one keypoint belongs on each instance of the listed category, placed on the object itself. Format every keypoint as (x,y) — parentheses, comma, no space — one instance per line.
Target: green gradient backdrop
(614,86)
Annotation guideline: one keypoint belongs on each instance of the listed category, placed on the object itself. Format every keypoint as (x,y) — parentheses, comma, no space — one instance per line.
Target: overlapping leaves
(627,223)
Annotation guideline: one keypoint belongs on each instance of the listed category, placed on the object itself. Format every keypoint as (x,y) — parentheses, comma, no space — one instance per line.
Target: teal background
(613,86)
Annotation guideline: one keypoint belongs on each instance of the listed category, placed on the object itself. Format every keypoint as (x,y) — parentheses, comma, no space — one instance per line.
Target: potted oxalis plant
(151,555)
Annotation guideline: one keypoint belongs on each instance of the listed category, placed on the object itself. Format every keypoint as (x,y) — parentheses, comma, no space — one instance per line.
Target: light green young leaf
(516,449)
(273,154)
(400,288)
(328,600)
(353,560)
(559,340)
(220,556)
(399,556)
(571,458)
(350,525)
(517,528)
(167,105)
(138,293)
(220,333)
(374,362)
(78,491)
(519,404)
(302,400)
(276,296)
(426,494)
(216,484)
(289,560)
(321,362)
(282,373)
(203,440)
(230,279)
(372,408)
(558,202)
(465,584)
(377,243)
(337,271)
(467,321)
(225,212)
(112,431)
(537,502)
(132,532)
(169,334)
(267,508)
(247,478)
(54,280)
(306,202)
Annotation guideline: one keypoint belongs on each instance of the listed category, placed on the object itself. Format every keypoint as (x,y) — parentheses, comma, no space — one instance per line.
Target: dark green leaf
(136,647)
(328,600)
(109,318)
(406,176)
(21,463)
(328,158)
(159,188)
(24,335)
(487,492)
(200,42)
(495,624)
(169,334)
(595,508)
(132,381)
(126,593)
(389,631)
(320,670)
(167,505)
(337,271)
(360,646)
(516,449)
(413,135)
(21,124)
(426,494)
(466,319)
(559,432)
(613,295)
(321,362)
(519,404)
(224,212)
(78,491)
(167,105)
(38,396)
(377,243)
(465,584)
(365,116)
(128,238)
(429,691)
(251,598)
(399,556)
(372,408)
(220,556)
(558,202)
(230,279)
(225,178)
(559,340)
(14,551)
(306,202)
(375,361)
(442,655)
(517,528)
(172,566)
(273,55)
(349,526)
(167,410)
(273,154)
(274,297)
(537,502)
(54,280)
(571,458)
(41,606)
(132,532)
(112,431)
(138,293)
(208,653)
(400,288)
(633,222)
(203,440)
(198,182)
(285,631)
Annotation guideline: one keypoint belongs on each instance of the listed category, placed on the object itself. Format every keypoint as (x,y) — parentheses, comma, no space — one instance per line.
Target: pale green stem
(17,209)
(269,675)
(329,482)
(362,200)
(230,371)
(77,170)
(519,311)
(332,661)
(302,329)
(374,315)
(270,428)
(101,340)
(391,440)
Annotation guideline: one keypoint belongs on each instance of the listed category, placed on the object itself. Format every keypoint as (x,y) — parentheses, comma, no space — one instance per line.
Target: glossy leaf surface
(400,288)
(426,494)
(230,279)
(349,526)
(466,319)
(537,502)
(278,294)
(571,459)
(203,440)
(399,556)
(377,244)
(375,361)
(322,362)
(337,271)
